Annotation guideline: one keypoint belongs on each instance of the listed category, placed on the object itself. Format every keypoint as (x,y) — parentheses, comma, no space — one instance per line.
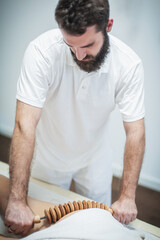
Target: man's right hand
(18,217)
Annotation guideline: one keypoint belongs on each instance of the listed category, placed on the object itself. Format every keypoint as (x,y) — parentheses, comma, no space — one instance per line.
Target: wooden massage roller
(57,212)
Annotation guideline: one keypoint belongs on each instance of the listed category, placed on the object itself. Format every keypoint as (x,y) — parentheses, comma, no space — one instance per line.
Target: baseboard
(6,130)
(144,180)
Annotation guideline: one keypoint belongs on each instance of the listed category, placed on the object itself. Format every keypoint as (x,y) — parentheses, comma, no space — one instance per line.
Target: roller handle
(37,219)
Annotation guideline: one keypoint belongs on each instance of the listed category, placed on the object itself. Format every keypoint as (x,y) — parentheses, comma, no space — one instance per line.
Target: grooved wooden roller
(56,213)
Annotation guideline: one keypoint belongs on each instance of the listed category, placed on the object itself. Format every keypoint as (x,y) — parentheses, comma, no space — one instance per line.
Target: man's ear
(109,25)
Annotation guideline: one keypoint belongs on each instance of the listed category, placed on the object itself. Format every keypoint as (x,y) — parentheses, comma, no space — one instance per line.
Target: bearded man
(70,81)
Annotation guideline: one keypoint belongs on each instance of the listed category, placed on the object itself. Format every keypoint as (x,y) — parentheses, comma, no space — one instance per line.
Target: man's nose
(80,54)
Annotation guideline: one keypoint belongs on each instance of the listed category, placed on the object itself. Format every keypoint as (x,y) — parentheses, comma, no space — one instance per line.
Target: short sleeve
(33,82)
(130,94)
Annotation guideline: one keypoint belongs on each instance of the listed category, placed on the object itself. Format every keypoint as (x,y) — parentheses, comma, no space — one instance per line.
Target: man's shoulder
(122,52)
(47,40)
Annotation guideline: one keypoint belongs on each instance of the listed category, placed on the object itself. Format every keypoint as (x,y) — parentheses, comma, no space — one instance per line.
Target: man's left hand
(124,210)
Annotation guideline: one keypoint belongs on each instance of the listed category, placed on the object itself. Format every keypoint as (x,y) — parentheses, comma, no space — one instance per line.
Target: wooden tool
(56,213)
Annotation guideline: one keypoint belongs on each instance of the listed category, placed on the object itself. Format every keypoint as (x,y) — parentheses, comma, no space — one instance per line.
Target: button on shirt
(76,105)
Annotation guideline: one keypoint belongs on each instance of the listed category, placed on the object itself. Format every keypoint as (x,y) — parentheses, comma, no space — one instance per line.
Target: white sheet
(90,224)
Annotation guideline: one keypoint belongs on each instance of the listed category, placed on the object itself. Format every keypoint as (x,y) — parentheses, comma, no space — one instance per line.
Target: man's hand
(125,210)
(18,217)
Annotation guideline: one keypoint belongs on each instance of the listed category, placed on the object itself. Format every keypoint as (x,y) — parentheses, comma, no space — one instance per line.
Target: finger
(10,226)
(10,230)
(19,230)
(13,226)
(131,217)
(127,219)
(127,222)
(10,223)
(22,228)
(7,223)
(27,228)
(122,219)
(26,231)
(116,216)
(134,216)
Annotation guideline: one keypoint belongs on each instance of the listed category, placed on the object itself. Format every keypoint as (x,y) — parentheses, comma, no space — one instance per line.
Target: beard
(94,63)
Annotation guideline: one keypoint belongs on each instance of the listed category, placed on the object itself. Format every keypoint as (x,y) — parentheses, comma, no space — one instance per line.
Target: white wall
(136,22)
(20,22)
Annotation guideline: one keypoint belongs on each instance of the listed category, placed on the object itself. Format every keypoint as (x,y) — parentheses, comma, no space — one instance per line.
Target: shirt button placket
(83,88)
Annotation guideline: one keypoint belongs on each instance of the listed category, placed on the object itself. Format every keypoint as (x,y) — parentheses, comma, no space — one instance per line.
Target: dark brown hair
(74,16)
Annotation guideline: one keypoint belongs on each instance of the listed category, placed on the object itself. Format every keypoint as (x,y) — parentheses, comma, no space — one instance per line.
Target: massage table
(51,193)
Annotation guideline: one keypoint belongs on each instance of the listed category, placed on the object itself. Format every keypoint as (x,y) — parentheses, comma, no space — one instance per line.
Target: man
(70,82)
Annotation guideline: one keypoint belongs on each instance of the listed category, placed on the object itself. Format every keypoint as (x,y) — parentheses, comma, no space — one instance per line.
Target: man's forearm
(133,157)
(21,153)
(125,209)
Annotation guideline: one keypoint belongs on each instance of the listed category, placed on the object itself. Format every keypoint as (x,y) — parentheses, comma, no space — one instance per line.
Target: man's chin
(88,66)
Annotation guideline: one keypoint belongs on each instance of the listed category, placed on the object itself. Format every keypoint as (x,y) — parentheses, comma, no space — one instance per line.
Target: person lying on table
(90,224)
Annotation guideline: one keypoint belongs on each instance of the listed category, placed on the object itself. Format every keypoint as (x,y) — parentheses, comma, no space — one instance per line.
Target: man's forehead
(84,46)
(84,40)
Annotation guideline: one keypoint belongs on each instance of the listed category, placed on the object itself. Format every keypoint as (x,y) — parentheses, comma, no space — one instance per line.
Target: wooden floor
(148,201)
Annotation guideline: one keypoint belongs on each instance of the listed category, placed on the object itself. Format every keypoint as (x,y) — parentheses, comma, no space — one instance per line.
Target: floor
(147,200)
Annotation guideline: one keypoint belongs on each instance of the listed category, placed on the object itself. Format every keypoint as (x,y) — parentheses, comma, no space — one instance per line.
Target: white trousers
(93,181)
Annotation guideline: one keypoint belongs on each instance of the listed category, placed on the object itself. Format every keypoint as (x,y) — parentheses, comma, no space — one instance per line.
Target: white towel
(89,224)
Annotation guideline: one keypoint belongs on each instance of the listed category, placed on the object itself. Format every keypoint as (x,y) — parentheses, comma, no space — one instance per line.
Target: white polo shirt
(73,128)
